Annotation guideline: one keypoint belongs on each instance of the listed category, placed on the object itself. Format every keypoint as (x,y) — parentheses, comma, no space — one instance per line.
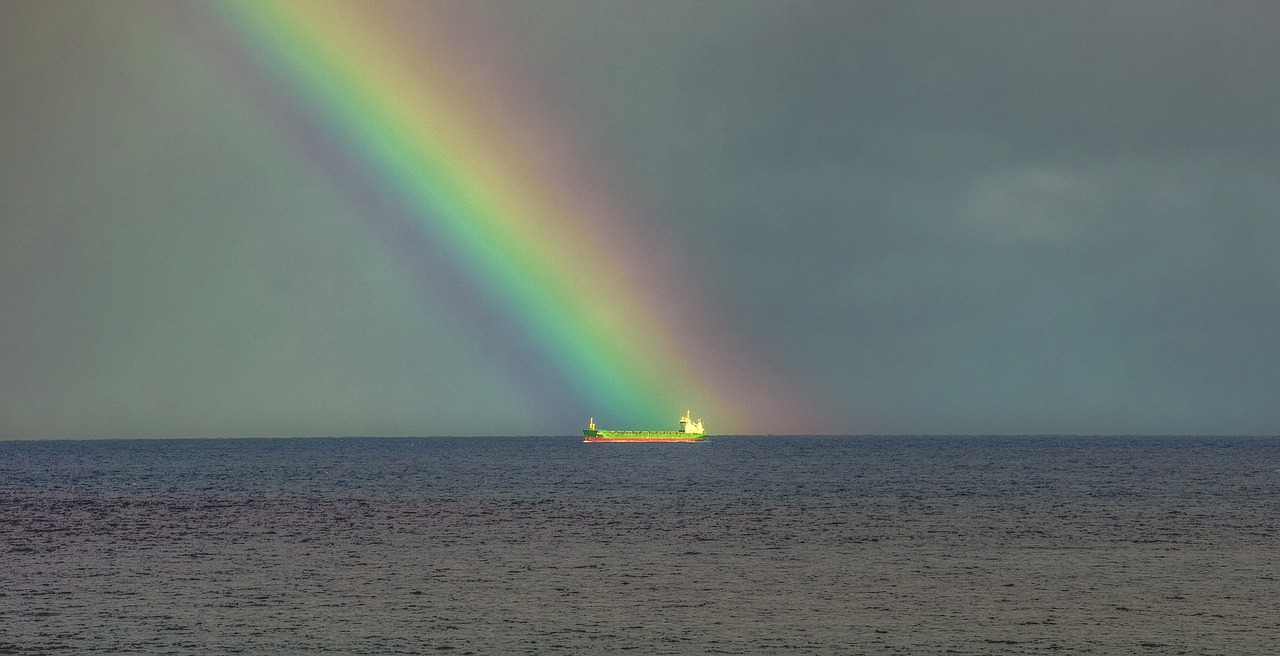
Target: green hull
(600,435)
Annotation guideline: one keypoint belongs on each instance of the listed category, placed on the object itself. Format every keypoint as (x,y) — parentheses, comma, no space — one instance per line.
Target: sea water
(797,545)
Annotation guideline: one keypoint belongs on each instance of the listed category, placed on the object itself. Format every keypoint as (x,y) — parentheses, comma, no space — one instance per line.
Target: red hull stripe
(653,439)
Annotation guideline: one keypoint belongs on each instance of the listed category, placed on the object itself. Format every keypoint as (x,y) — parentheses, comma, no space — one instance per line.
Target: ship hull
(589,435)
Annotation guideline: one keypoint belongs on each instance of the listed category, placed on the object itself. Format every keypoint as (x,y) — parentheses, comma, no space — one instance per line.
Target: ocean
(545,545)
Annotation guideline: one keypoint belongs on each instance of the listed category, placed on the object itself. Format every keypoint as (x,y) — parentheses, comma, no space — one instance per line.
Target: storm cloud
(978,217)
(966,217)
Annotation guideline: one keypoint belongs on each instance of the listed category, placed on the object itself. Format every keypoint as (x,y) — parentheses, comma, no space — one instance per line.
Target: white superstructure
(690,426)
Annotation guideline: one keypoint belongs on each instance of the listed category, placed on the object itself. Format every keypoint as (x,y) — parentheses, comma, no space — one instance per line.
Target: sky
(503,218)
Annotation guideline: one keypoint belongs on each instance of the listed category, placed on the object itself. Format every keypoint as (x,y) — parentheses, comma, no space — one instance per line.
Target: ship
(689,431)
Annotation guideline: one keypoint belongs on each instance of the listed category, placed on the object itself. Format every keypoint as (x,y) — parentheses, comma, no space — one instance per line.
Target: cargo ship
(689,431)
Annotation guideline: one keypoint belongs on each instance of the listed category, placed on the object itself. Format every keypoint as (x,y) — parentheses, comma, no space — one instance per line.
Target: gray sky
(940,217)
(968,217)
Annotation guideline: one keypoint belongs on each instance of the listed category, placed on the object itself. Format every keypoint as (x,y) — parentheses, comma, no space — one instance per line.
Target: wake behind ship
(689,431)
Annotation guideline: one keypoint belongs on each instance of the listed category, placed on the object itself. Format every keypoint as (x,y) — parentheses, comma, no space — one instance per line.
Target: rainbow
(505,194)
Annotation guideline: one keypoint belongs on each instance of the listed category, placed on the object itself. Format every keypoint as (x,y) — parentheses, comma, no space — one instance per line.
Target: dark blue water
(547,545)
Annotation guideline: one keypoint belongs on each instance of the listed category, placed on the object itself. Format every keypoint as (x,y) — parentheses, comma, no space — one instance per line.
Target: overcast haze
(960,217)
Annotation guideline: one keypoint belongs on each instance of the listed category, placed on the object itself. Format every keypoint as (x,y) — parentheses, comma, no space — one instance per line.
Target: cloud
(942,217)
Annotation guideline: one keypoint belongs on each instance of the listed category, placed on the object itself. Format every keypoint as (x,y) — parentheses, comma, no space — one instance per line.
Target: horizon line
(729,436)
